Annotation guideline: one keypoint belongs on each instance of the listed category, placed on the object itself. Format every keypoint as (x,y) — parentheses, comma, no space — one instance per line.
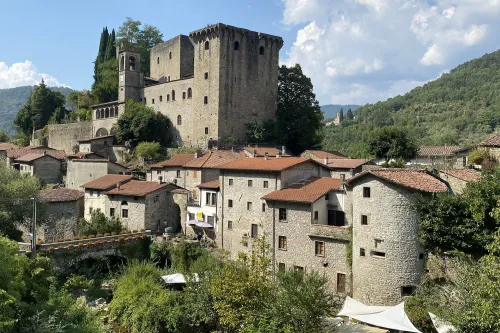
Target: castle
(210,84)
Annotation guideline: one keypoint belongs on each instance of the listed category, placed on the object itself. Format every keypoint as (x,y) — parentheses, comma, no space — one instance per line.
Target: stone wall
(62,221)
(457,185)
(48,169)
(172,59)
(66,136)
(80,172)
(392,229)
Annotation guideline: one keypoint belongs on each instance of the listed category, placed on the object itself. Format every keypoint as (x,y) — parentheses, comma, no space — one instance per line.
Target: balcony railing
(329,231)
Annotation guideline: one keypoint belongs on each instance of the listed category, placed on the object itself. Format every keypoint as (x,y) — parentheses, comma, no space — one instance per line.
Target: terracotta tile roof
(106,182)
(213,159)
(214,184)
(61,194)
(16,153)
(137,188)
(320,155)
(418,180)
(261,151)
(437,150)
(177,160)
(29,157)
(492,140)
(346,163)
(464,175)
(307,191)
(8,146)
(261,164)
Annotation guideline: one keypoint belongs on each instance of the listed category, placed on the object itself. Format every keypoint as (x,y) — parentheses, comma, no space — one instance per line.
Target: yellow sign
(199,216)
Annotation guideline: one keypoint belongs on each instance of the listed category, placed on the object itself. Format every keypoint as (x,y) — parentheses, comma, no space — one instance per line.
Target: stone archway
(101,132)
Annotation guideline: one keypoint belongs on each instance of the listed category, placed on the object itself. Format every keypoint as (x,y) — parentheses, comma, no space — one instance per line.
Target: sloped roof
(261,151)
(214,184)
(177,160)
(106,182)
(412,179)
(462,174)
(83,155)
(261,164)
(32,157)
(16,153)
(307,191)
(213,159)
(346,163)
(8,146)
(137,188)
(61,194)
(437,150)
(321,155)
(492,140)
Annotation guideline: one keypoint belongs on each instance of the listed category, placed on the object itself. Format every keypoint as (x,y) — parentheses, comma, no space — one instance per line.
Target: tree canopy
(99,224)
(105,86)
(392,143)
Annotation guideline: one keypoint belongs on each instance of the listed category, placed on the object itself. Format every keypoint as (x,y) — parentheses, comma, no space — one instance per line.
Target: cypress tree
(341,115)
(101,52)
(349,115)
(111,47)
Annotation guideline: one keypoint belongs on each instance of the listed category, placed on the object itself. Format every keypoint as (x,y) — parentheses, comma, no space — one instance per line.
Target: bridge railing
(123,237)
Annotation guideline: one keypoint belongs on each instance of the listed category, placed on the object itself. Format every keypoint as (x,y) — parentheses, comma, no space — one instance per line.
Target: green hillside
(11,101)
(459,108)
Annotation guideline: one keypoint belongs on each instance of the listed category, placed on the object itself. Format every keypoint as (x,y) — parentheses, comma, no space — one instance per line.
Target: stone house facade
(492,144)
(46,167)
(65,208)
(388,259)
(458,179)
(82,171)
(209,84)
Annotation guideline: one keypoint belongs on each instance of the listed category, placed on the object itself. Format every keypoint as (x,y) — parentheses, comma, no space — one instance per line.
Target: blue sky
(355,51)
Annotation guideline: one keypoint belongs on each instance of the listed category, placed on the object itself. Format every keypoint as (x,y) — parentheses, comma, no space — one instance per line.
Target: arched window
(173,95)
(102,113)
(236,46)
(207,45)
(261,50)
(106,113)
(124,203)
(97,114)
(170,55)
(183,95)
(131,62)
(112,112)
(190,93)
(158,60)
(179,120)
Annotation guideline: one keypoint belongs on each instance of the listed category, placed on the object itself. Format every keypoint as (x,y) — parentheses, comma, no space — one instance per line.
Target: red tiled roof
(464,175)
(346,163)
(214,184)
(8,146)
(106,182)
(137,188)
(213,159)
(307,191)
(261,164)
(60,194)
(320,155)
(177,160)
(29,157)
(492,140)
(437,150)
(261,151)
(418,180)
(16,153)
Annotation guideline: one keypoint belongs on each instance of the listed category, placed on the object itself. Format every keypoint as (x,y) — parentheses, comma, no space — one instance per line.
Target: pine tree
(41,106)
(111,47)
(350,115)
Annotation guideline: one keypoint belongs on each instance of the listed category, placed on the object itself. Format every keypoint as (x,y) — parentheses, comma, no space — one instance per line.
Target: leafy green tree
(4,137)
(477,156)
(141,123)
(392,143)
(81,114)
(141,37)
(99,224)
(349,115)
(148,150)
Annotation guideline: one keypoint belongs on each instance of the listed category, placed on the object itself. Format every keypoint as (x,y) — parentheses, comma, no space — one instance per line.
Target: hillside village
(351,220)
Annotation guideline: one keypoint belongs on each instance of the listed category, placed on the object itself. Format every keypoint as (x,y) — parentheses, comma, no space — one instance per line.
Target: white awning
(358,328)
(178,278)
(381,316)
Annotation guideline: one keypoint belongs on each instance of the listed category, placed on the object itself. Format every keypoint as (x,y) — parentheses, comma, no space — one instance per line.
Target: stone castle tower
(210,83)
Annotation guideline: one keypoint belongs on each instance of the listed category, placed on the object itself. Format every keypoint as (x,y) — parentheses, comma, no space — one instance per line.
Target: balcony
(329,231)
(193,202)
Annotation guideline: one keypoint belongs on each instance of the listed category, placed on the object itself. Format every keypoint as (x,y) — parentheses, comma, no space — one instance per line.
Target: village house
(14,154)
(309,231)
(492,144)
(43,165)
(346,167)
(387,257)
(83,170)
(459,178)
(205,210)
(320,155)
(263,151)
(103,146)
(138,204)
(441,157)
(64,208)
(4,146)
(243,184)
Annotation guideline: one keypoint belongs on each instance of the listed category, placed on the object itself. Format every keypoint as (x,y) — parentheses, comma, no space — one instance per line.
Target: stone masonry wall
(48,169)
(63,218)
(66,136)
(457,185)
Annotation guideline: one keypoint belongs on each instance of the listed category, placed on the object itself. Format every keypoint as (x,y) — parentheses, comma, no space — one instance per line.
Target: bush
(77,282)
(478,156)
(98,225)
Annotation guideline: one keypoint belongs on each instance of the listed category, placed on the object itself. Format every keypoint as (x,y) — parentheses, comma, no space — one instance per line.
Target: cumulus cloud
(24,74)
(359,51)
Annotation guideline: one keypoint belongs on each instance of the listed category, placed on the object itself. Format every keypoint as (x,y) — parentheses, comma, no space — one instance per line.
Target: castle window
(250,183)
(421,256)
(261,50)
(183,95)
(282,242)
(263,206)
(190,93)
(266,184)
(206,130)
(152,101)
(207,45)
(364,220)
(168,97)
(161,98)
(236,46)
(255,231)
(206,75)
(170,55)
(377,254)
(230,203)
(340,283)
(122,63)
(366,192)
(316,215)
(319,249)
(179,120)
(205,99)
(249,205)
(173,95)
(131,61)
(97,115)
(230,224)
(158,60)
(361,252)
(168,79)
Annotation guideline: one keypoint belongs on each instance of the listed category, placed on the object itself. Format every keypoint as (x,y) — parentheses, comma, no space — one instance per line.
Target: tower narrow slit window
(207,45)
(179,120)
(236,46)
(261,50)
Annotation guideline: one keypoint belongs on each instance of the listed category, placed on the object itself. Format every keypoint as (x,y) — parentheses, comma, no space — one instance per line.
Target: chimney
(278,154)
(197,154)
(283,150)
(266,156)
(254,153)
(44,153)
(118,186)
(326,160)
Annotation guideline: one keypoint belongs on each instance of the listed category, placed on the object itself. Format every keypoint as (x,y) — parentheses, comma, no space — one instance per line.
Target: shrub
(107,234)
(78,282)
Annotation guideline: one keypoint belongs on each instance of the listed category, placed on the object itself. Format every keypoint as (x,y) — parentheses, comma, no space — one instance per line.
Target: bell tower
(131,80)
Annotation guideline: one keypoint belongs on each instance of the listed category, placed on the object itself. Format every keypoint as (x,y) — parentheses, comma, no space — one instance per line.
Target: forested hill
(459,108)
(11,101)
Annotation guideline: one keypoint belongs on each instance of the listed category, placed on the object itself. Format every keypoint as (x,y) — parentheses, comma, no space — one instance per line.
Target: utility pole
(33,229)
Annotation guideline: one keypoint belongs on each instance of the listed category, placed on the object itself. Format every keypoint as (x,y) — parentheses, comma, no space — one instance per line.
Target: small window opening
(255,231)
(206,130)
(378,254)
(205,99)
(131,61)
(173,95)
(261,50)
(183,95)
(170,55)
(236,46)
(282,214)
(230,203)
(158,60)
(207,45)
(366,192)
(230,224)
(361,252)
(179,120)
(206,75)
(190,93)
(407,290)
(161,98)
(364,220)
(282,242)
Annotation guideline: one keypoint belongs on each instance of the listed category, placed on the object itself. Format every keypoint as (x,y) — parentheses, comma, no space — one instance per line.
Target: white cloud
(371,49)
(24,74)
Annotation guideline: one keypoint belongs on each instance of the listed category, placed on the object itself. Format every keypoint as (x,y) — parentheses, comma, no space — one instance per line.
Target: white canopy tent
(178,278)
(393,317)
